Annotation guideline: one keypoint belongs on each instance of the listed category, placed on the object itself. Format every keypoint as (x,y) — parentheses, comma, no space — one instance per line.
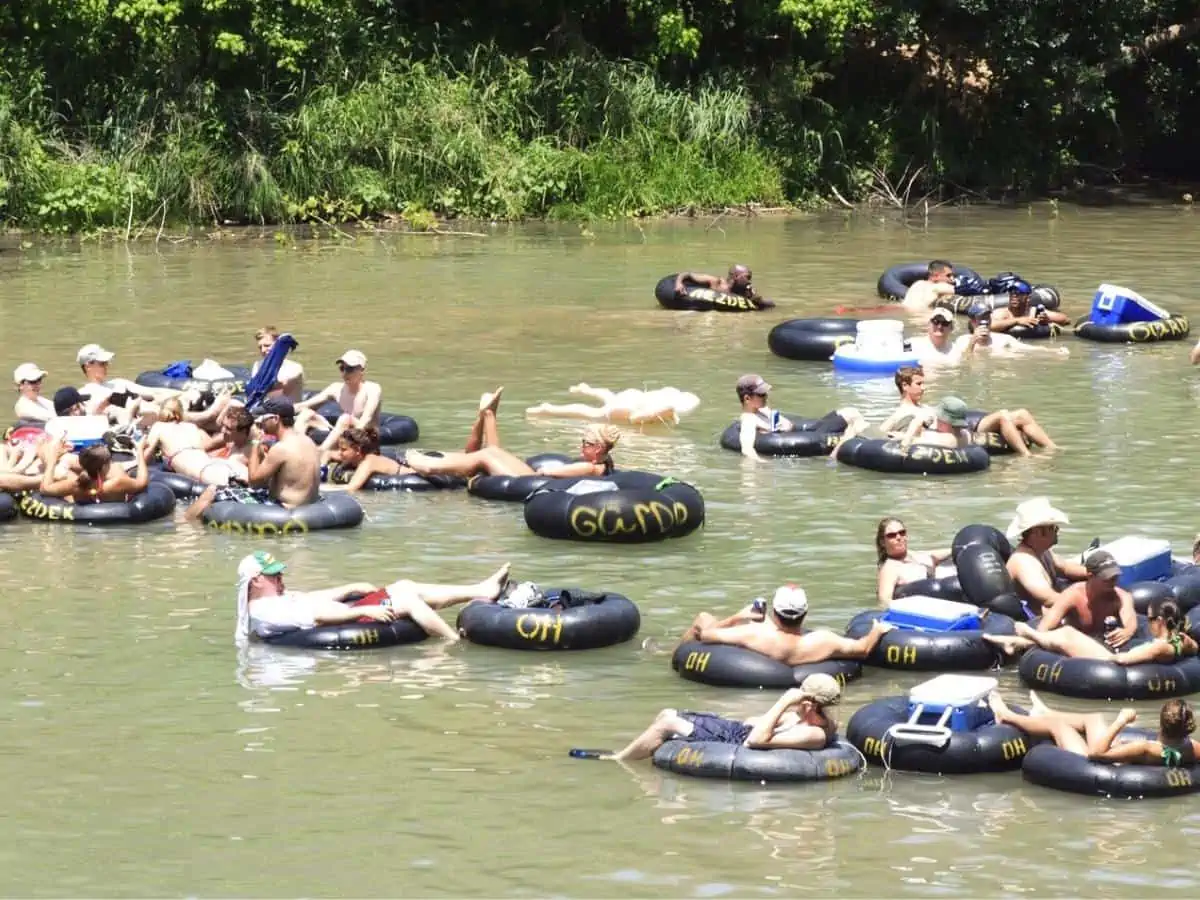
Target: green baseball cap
(954,411)
(260,562)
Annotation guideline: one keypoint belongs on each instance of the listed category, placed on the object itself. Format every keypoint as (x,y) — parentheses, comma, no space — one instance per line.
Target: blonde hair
(602,434)
(266,331)
(171,410)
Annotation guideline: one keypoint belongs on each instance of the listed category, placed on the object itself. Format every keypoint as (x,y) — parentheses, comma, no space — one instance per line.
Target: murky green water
(143,756)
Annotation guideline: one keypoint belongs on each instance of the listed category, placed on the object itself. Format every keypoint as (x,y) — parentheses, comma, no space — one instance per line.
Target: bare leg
(12,482)
(407,602)
(856,424)
(1066,640)
(1025,421)
(1002,422)
(655,411)
(1009,644)
(666,725)
(491,431)
(200,504)
(489,461)
(308,420)
(1063,728)
(439,596)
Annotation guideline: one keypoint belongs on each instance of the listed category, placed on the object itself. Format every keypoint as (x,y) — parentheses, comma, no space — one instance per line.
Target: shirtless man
(232,442)
(1033,564)
(1018,312)
(1086,605)
(757,417)
(289,474)
(628,407)
(290,380)
(184,447)
(127,401)
(937,283)
(910,382)
(267,609)
(737,282)
(982,341)
(31,406)
(778,632)
(358,398)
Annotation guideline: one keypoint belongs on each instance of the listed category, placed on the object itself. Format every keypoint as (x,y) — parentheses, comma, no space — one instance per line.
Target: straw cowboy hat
(1033,513)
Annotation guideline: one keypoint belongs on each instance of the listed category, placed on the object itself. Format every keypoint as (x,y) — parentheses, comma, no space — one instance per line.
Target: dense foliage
(119,111)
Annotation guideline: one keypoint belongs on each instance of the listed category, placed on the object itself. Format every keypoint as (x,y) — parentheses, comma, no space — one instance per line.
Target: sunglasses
(346,368)
(903,532)
(938,323)
(587,443)
(35,381)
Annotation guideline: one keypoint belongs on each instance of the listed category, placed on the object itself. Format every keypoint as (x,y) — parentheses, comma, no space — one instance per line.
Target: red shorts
(371,599)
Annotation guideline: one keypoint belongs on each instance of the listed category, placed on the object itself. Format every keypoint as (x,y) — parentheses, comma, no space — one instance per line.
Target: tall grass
(493,137)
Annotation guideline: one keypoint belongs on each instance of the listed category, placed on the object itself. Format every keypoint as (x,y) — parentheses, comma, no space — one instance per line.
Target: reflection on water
(152,754)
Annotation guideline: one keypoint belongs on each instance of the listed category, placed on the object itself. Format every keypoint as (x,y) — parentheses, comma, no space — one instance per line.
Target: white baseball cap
(790,602)
(28,372)
(90,353)
(355,359)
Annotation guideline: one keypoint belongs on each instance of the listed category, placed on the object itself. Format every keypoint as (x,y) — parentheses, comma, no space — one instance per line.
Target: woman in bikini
(483,454)
(355,458)
(184,447)
(897,563)
(98,481)
(1090,735)
(1168,639)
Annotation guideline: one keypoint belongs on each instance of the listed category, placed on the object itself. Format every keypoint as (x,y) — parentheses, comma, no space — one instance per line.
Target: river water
(144,756)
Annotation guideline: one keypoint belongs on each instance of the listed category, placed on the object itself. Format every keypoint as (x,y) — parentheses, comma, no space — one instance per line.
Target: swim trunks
(239,494)
(707,727)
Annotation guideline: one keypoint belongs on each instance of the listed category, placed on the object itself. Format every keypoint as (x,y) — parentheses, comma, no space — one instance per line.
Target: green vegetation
(119,113)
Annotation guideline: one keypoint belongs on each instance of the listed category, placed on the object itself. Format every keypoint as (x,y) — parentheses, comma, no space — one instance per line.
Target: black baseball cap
(65,398)
(1102,564)
(274,406)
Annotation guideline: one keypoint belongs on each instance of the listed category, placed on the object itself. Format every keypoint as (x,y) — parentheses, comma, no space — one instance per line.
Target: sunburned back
(176,436)
(296,481)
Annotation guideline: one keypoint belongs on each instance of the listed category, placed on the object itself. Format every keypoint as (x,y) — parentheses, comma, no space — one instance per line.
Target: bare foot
(1036,706)
(578,388)
(1023,630)
(1127,716)
(491,588)
(491,401)
(1010,644)
(537,410)
(417,461)
(999,708)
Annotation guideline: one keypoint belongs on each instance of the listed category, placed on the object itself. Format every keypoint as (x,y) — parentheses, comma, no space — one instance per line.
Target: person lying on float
(737,282)
(949,427)
(357,453)
(290,379)
(630,406)
(1033,565)
(31,406)
(777,631)
(981,341)
(897,564)
(937,284)
(483,454)
(1169,641)
(287,475)
(1021,311)
(266,608)
(122,400)
(1092,735)
(758,418)
(184,448)
(359,400)
(798,720)
(97,481)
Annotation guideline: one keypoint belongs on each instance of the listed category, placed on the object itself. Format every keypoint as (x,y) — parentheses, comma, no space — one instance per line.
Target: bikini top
(1180,756)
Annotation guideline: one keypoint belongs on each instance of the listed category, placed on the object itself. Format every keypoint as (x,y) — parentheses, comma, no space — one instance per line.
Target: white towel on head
(241,631)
